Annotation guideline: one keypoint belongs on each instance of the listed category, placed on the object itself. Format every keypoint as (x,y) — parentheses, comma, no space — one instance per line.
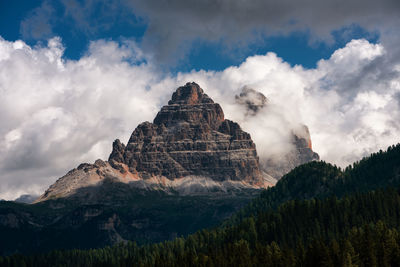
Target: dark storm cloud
(173,26)
(177,23)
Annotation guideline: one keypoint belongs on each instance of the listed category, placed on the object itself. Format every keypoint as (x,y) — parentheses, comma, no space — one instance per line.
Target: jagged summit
(189,147)
(190,136)
(190,104)
(252,100)
(190,94)
(255,103)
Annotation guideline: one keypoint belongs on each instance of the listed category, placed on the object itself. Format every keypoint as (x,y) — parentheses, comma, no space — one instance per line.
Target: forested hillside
(357,230)
(124,213)
(320,179)
(346,218)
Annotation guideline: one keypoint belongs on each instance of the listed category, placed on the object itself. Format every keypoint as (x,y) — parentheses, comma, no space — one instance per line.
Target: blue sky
(77,74)
(36,21)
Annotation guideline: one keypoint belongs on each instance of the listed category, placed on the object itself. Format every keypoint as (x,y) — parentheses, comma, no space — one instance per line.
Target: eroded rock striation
(189,136)
(189,148)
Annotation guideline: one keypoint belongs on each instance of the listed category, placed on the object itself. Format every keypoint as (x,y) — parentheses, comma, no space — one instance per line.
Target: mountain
(189,148)
(256,103)
(190,136)
(187,170)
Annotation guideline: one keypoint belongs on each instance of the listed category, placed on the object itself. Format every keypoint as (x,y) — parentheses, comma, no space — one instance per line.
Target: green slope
(362,229)
(124,214)
(302,220)
(320,179)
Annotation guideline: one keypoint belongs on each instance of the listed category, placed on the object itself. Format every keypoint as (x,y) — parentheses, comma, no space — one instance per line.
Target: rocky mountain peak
(255,103)
(189,137)
(190,104)
(189,147)
(189,94)
(251,99)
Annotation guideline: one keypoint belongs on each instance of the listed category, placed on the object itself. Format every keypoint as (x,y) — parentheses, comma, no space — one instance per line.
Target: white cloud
(363,117)
(57,113)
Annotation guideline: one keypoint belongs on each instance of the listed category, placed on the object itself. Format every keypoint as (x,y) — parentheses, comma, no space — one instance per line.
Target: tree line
(357,230)
(317,215)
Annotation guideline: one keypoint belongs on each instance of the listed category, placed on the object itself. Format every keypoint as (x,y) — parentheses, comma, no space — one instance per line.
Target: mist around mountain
(189,148)
(300,151)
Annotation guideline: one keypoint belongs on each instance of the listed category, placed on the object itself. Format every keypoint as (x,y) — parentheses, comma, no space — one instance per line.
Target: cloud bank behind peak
(57,113)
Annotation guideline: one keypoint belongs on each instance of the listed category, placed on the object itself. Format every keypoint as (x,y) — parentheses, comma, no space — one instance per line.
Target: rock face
(190,148)
(252,99)
(190,169)
(301,153)
(85,175)
(189,136)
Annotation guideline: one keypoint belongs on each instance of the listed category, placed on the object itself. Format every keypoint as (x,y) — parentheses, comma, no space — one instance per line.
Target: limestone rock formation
(190,136)
(85,175)
(252,99)
(189,148)
(301,153)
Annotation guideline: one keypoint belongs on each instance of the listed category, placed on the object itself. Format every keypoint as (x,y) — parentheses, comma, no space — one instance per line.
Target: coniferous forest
(316,215)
